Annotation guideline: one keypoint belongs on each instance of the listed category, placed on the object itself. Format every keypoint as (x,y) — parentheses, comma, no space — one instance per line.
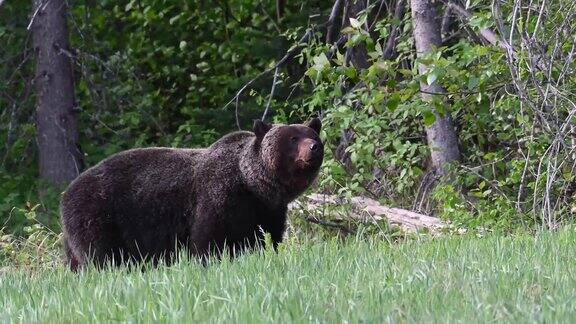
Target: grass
(490,279)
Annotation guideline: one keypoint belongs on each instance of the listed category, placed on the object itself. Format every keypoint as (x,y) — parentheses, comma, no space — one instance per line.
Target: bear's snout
(310,149)
(310,154)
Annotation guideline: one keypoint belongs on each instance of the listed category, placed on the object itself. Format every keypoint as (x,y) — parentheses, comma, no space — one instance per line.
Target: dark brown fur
(146,204)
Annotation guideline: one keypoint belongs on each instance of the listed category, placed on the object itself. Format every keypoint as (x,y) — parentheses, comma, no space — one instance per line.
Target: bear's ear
(260,128)
(315,124)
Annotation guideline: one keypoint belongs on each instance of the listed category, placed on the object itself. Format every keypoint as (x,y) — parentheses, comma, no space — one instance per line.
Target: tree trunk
(358,54)
(389,51)
(56,121)
(331,25)
(442,139)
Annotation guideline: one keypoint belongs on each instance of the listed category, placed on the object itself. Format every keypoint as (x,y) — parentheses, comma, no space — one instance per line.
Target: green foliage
(382,115)
(38,249)
(147,73)
(163,80)
(159,72)
(494,214)
(504,146)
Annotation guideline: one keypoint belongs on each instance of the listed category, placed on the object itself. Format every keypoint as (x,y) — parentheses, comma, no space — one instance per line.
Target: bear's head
(293,153)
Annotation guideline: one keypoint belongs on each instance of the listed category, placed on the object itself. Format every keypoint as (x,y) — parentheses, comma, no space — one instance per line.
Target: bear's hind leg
(71,260)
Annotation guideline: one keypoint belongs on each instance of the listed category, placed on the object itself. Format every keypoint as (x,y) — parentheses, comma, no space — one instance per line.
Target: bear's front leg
(207,235)
(276,226)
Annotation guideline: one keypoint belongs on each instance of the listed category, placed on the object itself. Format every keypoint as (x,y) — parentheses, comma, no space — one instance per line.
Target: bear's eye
(293,139)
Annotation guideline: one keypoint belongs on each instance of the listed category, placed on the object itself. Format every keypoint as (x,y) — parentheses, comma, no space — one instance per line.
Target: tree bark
(331,25)
(389,51)
(441,136)
(280,7)
(357,54)
(56,120)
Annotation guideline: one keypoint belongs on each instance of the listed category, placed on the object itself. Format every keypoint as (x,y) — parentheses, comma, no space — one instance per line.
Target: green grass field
(518,278)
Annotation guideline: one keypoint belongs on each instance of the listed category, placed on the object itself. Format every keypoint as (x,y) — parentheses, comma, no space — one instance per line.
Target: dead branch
(486,33)
(337,226)
(371,211)
(394,31)
(331,27)
(271,94)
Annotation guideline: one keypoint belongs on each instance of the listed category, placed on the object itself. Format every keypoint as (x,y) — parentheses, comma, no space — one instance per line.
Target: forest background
(461,110)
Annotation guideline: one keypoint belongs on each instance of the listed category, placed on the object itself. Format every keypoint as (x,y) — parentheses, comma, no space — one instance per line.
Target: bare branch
(318,221)
(380,7)
(271,94)
(40,8)
(280,6)
(331,26)
(486,33)
(391,42)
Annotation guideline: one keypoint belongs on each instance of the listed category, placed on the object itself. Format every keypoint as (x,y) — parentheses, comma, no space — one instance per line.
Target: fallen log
(369,210)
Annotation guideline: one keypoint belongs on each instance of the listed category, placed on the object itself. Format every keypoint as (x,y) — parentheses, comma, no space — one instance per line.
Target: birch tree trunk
(441,136)
(56,120)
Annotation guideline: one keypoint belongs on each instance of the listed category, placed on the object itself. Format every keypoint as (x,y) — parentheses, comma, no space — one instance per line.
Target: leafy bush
(39,248)
(164,77)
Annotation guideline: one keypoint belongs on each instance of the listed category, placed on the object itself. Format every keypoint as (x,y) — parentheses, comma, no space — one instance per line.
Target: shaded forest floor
(494,278)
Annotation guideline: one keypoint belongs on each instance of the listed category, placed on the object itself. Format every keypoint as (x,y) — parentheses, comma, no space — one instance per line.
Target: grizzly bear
(146,204)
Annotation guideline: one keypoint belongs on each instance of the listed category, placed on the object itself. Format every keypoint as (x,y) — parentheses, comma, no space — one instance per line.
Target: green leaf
(393,102)
(173,19)
(472,83)
(405,72)
(482,185)
(431,78)
(350,72)
(429,117)
(348,30)
(355,23)
(354,157)
(339,58)
(484,106)
(128,7)
(378,97)
(321,62)
(489,156)
(439,105)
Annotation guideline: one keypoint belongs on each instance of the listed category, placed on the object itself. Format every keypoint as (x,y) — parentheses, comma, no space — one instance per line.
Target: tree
(56,120)
(441,136)
(357,55)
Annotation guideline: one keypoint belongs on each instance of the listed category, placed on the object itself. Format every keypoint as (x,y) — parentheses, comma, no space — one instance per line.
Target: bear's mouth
(308,164)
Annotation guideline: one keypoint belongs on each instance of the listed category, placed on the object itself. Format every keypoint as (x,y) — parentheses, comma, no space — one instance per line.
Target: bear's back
(139,172)
(219,165)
